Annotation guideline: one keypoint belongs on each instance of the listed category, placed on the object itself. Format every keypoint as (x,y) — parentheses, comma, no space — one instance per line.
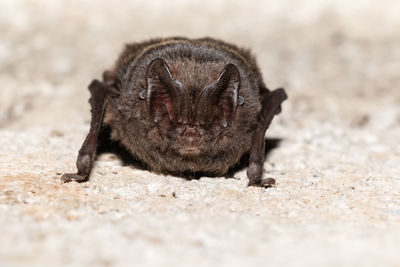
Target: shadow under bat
(106,145)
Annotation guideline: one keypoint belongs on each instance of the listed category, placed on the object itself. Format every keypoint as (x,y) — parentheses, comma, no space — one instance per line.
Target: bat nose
(189,131)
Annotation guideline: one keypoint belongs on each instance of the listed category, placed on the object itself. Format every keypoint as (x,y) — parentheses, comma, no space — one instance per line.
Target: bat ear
(165,96)
(220,99)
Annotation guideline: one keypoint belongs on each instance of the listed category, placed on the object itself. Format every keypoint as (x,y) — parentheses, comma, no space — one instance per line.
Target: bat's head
(192,120)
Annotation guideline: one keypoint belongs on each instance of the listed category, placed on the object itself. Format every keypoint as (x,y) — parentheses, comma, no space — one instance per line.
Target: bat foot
(69,177)
(266,183)
(254,173)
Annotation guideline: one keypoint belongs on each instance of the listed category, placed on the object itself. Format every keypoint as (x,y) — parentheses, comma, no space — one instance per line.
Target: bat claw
(266,183)
(69,177)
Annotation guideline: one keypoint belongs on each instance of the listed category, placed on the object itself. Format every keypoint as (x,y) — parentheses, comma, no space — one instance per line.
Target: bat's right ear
(166,97)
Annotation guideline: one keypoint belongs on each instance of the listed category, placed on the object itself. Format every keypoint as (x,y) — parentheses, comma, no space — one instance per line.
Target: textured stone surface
(337,166)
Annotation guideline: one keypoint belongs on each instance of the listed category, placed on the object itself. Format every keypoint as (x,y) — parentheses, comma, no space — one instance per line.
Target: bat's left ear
(220,99)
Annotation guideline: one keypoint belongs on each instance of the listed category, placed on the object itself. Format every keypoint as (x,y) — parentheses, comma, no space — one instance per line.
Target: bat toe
(268,182)
(69,177)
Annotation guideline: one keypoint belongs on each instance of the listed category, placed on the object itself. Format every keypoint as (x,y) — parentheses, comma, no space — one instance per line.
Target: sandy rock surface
(337,165)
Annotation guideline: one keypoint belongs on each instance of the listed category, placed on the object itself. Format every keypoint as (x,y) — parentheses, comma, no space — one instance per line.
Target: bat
(182,105)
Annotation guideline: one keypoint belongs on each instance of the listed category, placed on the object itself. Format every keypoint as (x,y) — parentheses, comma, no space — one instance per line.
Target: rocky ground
(337,164)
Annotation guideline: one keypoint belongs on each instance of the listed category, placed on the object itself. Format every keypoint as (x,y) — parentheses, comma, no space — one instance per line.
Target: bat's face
(191,122)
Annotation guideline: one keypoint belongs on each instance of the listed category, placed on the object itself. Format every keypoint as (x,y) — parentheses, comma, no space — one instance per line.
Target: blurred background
(323,52)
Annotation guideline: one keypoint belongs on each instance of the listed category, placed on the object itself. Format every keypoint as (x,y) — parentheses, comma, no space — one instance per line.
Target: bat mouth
(189,151)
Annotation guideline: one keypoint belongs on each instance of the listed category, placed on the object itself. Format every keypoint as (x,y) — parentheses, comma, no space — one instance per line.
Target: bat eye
(240,100)
(142,95)
(224,123)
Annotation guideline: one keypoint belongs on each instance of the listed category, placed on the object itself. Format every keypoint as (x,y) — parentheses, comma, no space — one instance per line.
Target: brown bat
(183,106)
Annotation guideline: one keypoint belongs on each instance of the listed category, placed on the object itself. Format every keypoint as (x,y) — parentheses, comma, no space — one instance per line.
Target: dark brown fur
(186,105)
